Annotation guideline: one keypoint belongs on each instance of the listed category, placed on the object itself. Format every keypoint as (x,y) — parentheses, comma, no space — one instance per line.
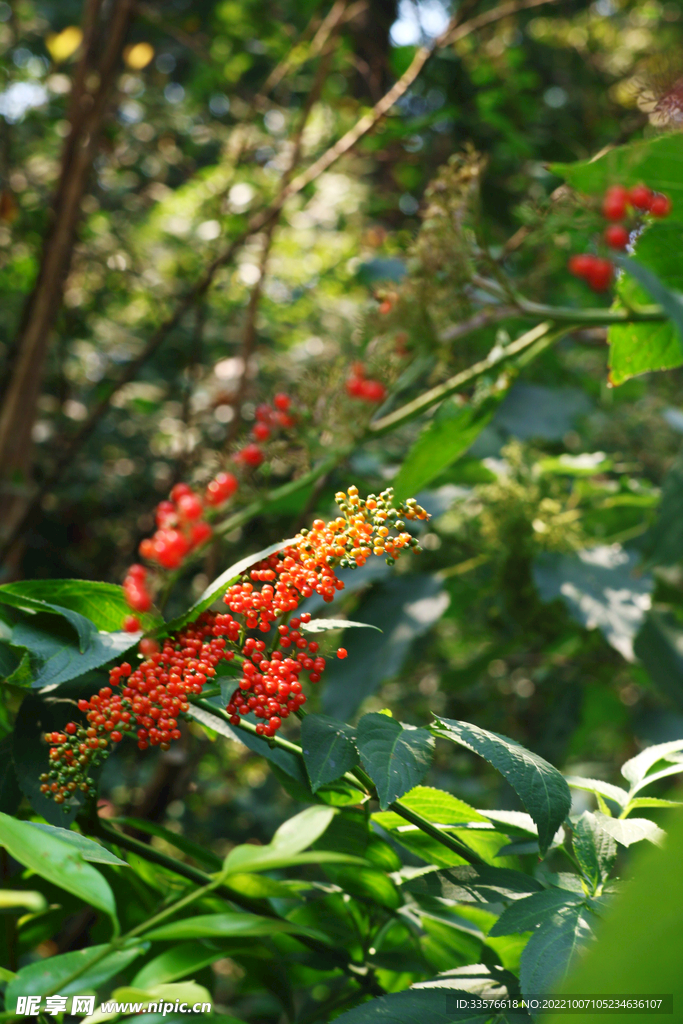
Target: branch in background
(92,93)
(257,222)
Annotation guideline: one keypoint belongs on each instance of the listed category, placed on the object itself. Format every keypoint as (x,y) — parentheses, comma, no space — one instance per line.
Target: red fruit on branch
(222,487)
(660,206)
(250,455)
(282,402)
(640,197)
(179,490)
(131,624)
(581,265)
(600,275)
(616,236)
(200,533)
(261,431)
(354,386)
(190,507)
(342,652)
(372,391)
(137,597)
(166,514)
(615,202)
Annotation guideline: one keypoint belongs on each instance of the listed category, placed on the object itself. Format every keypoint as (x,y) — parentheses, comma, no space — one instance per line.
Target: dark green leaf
(10,793)
(57,861)
(471,883)
(45,976)
(10,594)
(551,951)
(659,645)
(366,883)
(525,915)
(416,1006)
(594,848)
(540,787)
(395,757)
(328,749)
(199,853)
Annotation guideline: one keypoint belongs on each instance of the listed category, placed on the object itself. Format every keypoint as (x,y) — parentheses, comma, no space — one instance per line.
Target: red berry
(131,624)
(263,413)
(385,307)
(342,652)
(190,506)
(137,597)
(354,386)
(137,572)
(251,455)
(200,533)
(117,736)
(220,489)
(179,490)
(70,728)
(614,203)
(640,196)
(600,276)
(660,206)
(261,431)
(148,647)
(616,236)
(282,402)
(373,391)
(581,264)
(166,514)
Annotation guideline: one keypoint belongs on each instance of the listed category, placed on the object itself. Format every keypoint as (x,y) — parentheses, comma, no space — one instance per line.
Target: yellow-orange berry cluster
(150,699)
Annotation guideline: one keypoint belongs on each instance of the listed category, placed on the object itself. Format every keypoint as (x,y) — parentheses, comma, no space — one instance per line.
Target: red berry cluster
(150,699)
(617,203)
(181,528)
(360,386)
(268,419)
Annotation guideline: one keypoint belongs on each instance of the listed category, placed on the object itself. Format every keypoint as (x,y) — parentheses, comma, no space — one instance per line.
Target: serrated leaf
(540,787)
(320,625)
(416,1006)
(615,793)
(594,848)
(469,883)
(57,861)
(88,849)
(526,914)
(44,976)
(636,769)
(630,830)
(651,801)
(328,748)
(552,950)
(83,628)
(218,586)
(670,301)
(395,757)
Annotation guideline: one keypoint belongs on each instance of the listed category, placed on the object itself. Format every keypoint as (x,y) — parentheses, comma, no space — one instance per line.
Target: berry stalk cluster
(150,700)
(619,203)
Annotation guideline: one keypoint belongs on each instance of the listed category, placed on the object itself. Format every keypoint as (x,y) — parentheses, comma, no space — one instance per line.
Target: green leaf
(436,805)
(103,604)
(636,770)
(56,658)
(525,915)
(84,629)
(222,926)
(26,899)
(44,976)
(88,849)
(471,883)
(328,749)
(615,793)
(10,793)
(218,587)
(594,848)
(366,884)
(552,950)
(655,346)
(630,830)
(177,962)
(540,787)
(395,757)
(652,801)
(436,1005)
(450,433)
(57,861)
(320,625)
(640,940)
